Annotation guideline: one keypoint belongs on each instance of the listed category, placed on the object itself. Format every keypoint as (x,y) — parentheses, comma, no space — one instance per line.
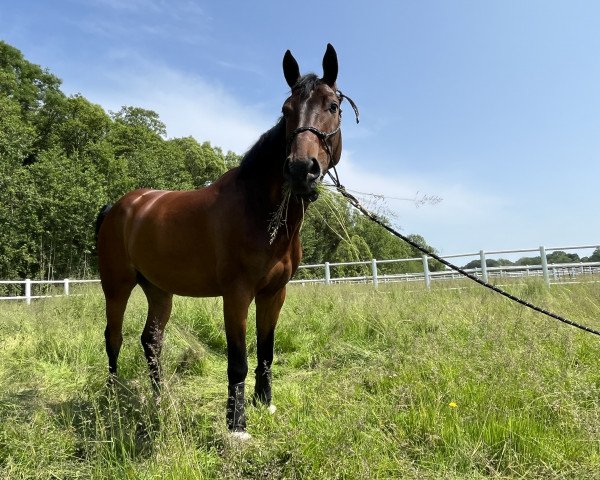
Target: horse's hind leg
(159,311)
(116,302)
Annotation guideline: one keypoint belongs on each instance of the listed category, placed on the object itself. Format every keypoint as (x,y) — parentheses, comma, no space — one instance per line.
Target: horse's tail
(100,218)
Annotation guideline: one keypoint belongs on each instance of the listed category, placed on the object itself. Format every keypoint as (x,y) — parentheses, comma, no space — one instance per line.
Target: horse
(221,240)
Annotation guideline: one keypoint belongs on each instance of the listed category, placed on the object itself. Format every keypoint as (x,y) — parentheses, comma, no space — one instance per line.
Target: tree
(83,124)
(67,193)
(20,223)
(559,256)
(595,257)
(203,163)
(325,225)
(23,82)
(434,265)
(16,135)
(524,261)
(490,262)
(383,246)
(140,118)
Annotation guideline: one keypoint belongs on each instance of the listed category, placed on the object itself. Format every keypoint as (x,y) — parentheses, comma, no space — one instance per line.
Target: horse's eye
(333,107)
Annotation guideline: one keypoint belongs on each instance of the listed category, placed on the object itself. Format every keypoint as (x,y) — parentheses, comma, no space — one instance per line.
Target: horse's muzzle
(302,175)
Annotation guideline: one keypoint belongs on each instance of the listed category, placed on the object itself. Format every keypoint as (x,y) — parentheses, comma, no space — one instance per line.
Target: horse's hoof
(240,436)
(272,409)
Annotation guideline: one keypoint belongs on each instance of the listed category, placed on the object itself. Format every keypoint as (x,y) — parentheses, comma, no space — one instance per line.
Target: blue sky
(492,106)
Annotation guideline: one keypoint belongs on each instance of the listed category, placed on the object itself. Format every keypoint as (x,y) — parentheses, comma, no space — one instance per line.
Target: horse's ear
(330,66)
(291,70)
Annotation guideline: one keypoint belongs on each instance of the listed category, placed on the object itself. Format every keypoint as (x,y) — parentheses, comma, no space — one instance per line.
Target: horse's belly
(180,283)
(187,275)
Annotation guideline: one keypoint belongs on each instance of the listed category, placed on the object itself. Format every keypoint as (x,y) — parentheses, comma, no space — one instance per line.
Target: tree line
(63,157)
(557,256)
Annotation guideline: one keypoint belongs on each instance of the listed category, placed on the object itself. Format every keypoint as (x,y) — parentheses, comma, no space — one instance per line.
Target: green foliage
(594,257)
(333,231)
(26,84)
(61,158)
(202,162)
(393,383)
(67,195)
(19,250)
(490,262)
(557,256)
(82,126)
(141,119)
(16,135)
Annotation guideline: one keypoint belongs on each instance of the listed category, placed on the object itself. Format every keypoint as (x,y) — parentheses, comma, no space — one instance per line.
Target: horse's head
(312,118)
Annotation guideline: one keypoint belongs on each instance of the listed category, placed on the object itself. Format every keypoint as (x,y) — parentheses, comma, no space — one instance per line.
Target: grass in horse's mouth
(279,217)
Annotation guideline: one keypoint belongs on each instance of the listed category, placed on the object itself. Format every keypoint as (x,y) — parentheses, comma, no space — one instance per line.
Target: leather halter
(321,135)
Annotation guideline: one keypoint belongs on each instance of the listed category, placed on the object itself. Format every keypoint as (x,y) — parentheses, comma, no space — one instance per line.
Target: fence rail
(551,273)
(28,284)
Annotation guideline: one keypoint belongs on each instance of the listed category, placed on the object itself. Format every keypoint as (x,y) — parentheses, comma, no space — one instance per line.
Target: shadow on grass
(20,405)
(121,422)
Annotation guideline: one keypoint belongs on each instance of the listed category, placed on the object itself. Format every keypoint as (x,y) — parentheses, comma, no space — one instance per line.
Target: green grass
(363,381)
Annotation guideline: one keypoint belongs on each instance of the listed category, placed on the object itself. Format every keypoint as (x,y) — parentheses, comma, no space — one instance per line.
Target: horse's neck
(263,182)
(270,202)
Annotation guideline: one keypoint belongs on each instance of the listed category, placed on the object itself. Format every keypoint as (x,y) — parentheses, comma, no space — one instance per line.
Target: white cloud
(176,9)
(464,220)
(187,104)
(404,194)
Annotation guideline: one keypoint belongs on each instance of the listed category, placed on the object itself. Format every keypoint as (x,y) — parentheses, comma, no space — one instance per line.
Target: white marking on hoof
(272,409)
(241,436)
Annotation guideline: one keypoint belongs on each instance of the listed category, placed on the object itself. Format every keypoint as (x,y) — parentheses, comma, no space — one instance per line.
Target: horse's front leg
(235,309)
(268,307)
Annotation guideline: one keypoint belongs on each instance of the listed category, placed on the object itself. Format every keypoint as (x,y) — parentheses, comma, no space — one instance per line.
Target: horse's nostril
(302,173)
(314,169)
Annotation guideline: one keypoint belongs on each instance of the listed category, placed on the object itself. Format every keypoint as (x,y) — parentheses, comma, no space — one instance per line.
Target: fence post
(484,274)
(544,265)
(28,291)
(66,286)
(374,271)
(426,272)
(327,274)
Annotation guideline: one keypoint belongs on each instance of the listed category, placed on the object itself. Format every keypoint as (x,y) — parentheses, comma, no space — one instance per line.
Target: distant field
(397,382)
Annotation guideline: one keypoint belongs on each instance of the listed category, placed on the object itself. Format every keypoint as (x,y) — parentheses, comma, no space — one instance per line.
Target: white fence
(552,273)
(65,286)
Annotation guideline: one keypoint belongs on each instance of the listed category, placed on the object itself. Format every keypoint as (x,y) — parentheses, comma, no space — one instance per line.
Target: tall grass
(397,382)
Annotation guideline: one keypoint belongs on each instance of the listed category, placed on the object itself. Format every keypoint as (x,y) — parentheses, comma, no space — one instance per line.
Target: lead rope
(356,204)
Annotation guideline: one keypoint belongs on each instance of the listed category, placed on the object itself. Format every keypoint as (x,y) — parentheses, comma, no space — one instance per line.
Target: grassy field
(394,383)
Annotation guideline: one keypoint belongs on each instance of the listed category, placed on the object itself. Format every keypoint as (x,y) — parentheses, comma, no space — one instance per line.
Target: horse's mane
(270,145)
(259,157)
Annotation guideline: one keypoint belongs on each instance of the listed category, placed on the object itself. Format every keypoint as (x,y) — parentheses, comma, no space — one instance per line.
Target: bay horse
(216,241)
